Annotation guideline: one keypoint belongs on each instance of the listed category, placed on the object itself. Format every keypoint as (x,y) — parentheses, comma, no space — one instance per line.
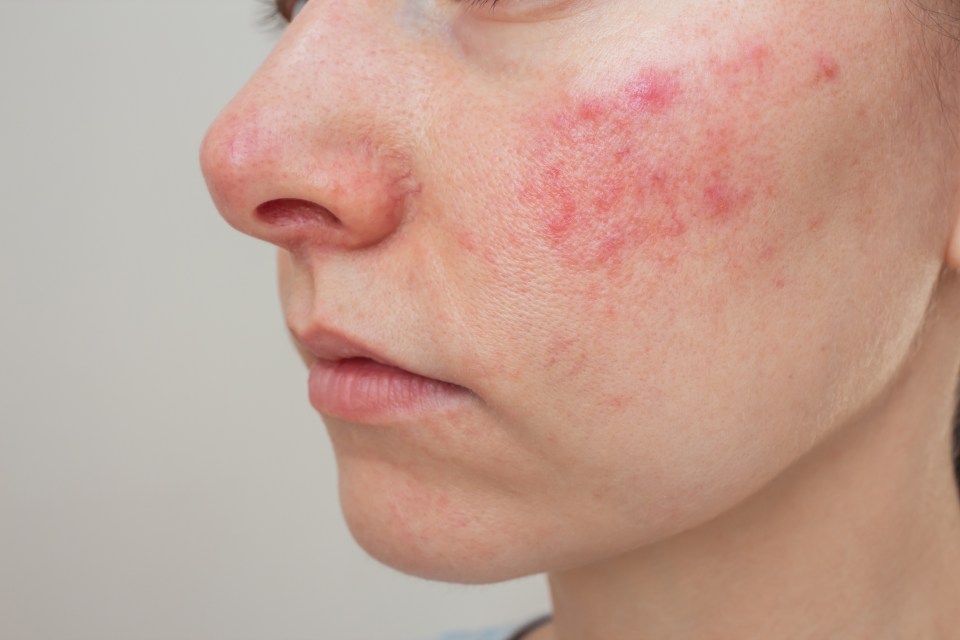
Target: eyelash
(281,12)
(272,16)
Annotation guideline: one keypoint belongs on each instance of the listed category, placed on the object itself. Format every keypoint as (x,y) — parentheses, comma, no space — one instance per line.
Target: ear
(952,259)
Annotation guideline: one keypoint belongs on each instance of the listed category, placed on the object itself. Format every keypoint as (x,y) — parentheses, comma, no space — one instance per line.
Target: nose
(310,152)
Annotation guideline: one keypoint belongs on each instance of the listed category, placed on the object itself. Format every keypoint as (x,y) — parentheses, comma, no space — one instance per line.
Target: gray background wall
(162,474)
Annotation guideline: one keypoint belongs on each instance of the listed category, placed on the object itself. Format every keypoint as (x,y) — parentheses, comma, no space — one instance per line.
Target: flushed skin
(673,249)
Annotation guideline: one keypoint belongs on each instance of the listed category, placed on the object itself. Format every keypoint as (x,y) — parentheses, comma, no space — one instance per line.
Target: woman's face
(664,247)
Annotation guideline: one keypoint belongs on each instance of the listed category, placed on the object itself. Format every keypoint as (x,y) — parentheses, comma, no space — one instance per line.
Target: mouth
(353,382)
(360,389)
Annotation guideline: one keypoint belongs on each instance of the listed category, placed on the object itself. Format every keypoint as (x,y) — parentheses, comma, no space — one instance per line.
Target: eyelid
(288,9)
(524,10)
(285,9)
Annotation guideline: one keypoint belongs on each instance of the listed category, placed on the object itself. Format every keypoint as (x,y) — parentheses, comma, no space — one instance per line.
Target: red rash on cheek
(636,170)
(591,164)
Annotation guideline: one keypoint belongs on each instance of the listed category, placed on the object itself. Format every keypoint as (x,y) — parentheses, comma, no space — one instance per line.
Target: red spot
(751,61)
(590,110)
(722,201)
(467,241)
(619,402)
(558,192)
(622,174)
(671,226)
(827,68)
(652,91)
(768,253)
(780,283)
(757,57)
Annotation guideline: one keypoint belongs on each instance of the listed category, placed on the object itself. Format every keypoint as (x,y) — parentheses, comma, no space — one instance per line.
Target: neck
(858,539)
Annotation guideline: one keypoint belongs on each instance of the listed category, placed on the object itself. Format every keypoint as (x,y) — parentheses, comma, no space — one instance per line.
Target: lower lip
(359,389)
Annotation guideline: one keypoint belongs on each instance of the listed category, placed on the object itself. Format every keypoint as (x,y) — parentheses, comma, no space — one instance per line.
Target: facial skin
(671,248)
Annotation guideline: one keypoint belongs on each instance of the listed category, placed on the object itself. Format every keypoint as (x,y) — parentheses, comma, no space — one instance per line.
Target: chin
(426,530)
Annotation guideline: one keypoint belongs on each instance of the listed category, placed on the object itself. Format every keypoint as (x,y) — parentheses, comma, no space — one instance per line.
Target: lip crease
(352,382)
(363,390)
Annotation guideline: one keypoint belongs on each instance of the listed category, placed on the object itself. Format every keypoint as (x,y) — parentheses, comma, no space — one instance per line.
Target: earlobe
(952,257)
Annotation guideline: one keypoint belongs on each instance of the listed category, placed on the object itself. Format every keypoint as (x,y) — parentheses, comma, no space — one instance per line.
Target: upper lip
(329,344)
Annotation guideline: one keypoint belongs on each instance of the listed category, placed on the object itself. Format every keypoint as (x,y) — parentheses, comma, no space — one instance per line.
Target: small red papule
(827,68)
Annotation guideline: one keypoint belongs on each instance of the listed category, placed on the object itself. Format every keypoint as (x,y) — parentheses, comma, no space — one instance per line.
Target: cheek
(648,219)
(593,166)
(675,165)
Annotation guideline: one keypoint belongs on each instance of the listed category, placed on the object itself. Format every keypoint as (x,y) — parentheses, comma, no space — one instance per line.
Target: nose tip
(294,185)
(318,148)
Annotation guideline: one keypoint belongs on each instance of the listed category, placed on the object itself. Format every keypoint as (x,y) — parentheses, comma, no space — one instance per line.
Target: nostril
(290,211)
